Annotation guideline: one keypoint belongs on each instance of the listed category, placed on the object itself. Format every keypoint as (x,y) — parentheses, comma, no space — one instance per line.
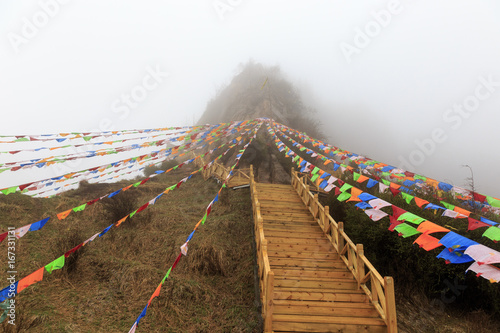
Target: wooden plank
(357,296)
(285,221)
(312,284)
(294,234)
(303,254)
(336,309)
(285,262)
(328,319)
(296,240)
(299,247)
(312,304)
(296,272)
(326,327)
(293,228)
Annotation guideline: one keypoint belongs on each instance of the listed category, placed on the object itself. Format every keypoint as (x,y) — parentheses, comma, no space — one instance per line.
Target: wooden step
(299,247)
(303,254)
(352,296)
(319,308)
(304,272)
(286,262)
(312,284)
(294,234)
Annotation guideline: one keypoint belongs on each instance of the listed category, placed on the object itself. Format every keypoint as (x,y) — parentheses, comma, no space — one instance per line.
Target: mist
(411,84)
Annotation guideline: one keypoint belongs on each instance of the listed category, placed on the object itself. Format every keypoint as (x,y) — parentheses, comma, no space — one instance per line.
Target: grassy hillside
(107,286)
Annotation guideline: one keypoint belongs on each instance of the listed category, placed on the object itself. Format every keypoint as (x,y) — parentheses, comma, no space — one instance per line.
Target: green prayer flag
(492,233)
(9,190)
(80,208)
(2,170)
(204,218)
(137,184)
(447,205)
(133,213)
(406,230)
(355,176)
(296,158)
(345,187)
(314,177)
(87,138)
(410,217)
(420,177)
(56,264)
(166,275)
(175,167)
(386,182)
(343,196)
(407,197)
(493,202)
(315,170)
(302,149)
(21,139)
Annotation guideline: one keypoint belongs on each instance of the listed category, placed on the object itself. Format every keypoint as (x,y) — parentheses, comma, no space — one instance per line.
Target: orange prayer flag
(395,186)
(69,175)
(327,162)
(420,202)
(362,179)
(155,294)
(355,192)
(461,211)
(33,278)
(198,224)
(428,227)
(63,215)
(427,242)
(121,221)
(126,188)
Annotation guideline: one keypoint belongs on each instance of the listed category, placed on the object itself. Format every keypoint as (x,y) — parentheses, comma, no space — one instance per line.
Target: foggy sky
(383,75)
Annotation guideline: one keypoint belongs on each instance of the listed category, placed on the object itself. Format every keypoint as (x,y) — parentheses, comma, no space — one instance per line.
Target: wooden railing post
(341,238)
(327,226)
(316,205)
(360,266)
(390,308)
(268,322)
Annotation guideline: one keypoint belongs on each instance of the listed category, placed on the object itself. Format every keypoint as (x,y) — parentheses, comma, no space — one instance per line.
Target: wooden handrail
(266,275)
(379,290)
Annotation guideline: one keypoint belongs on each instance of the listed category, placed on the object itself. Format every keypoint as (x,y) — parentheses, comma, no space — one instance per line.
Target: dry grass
(112,279)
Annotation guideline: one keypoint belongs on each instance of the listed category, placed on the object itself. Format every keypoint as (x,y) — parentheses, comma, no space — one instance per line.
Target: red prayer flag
(3,236)
(73,250)
(474,224)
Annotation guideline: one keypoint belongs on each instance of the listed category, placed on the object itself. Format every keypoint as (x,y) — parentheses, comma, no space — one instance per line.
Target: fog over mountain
(412,84)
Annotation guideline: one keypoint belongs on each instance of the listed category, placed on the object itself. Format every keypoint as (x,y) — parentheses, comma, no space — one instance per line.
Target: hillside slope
(261,91)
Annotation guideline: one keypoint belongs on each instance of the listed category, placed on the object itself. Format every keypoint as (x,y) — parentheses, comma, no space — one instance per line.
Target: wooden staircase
(307,285)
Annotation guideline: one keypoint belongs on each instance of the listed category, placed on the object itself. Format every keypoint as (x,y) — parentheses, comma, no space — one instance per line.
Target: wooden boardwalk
(311,279)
